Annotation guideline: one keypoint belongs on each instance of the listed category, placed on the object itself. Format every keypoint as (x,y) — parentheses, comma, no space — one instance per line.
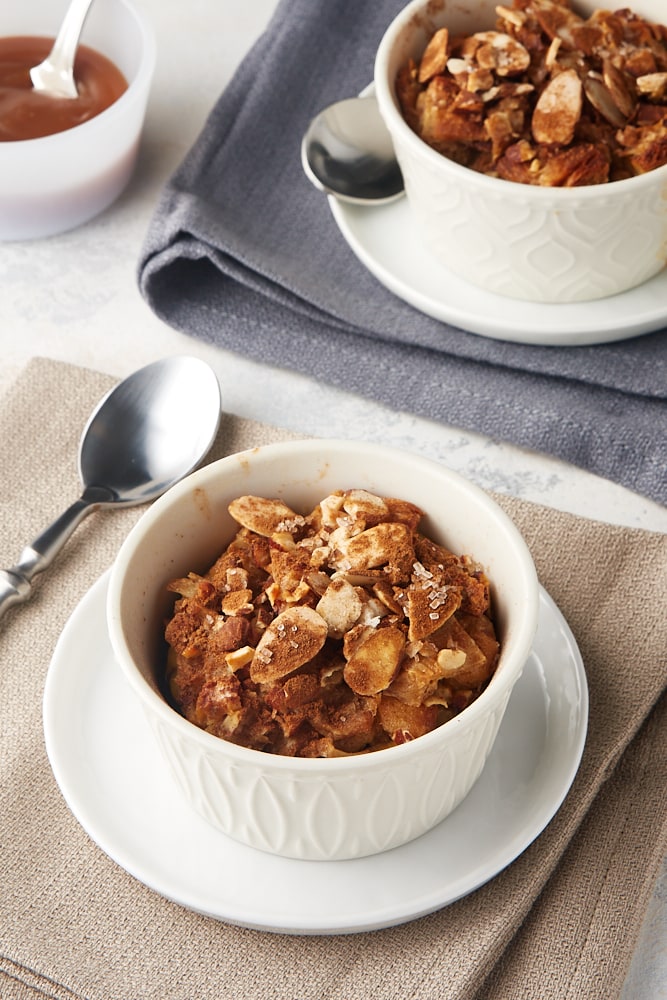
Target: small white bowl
(524,242)
(57,182)
(332,808)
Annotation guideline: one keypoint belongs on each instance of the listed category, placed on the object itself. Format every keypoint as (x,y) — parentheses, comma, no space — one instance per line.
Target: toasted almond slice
(429,605)
(330,508)
(621,87)
(653,85)
(194,587)
(265,517)
(517,18)
(601,99)
(501,53)
(340,606)
(385,544)
(558,109)
(434,59)
(385,593)
(449,661)
(293,638)
(374,664)
(365,506)
(552,53)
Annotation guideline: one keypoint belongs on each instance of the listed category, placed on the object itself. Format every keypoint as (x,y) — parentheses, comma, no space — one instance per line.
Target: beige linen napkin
(561,922)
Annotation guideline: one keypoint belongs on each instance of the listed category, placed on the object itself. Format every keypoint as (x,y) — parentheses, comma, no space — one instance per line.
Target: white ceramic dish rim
(48,144)
(558,198)
(68,750)
(155,703)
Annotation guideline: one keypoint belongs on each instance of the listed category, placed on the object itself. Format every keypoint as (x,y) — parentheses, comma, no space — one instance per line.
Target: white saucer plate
(114,780)
(384,239)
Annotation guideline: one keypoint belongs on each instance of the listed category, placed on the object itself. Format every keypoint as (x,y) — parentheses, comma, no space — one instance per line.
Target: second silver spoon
(149,432)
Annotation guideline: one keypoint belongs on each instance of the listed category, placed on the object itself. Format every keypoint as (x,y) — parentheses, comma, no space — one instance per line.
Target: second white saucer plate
(384,239)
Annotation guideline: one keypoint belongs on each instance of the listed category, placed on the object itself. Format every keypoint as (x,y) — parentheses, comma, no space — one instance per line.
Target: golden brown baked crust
(548,98)
(342,631)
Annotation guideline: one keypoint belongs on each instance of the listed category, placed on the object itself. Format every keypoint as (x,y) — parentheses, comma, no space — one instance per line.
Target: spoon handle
(15,583)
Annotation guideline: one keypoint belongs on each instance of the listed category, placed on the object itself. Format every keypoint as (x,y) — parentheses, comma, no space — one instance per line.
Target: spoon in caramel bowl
(145,435)
(55,75)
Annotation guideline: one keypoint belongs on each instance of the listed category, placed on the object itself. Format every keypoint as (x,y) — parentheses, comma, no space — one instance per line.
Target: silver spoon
(152,429)
(55,75)
(347,152)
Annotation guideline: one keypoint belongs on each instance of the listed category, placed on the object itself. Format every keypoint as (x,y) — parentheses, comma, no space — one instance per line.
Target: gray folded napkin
(243,252)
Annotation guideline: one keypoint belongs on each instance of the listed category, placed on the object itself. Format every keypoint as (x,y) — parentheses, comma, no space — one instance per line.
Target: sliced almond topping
(501,53)
(598,94)
(385,544)
(365,506)
(654,85)
(429,605)
(558,109)
(449,661)
(434,59)
(293,637)
(552,53)
(621,88)
(512,16)
(385,593)
(330,509)
(291,640)
(340,606)
(265,517)
(374,664)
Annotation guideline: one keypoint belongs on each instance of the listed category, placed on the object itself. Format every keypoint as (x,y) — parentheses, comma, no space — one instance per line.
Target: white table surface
(74,298)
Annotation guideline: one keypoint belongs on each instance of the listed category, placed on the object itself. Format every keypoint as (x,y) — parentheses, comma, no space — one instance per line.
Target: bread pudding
(547,97)
(339,631)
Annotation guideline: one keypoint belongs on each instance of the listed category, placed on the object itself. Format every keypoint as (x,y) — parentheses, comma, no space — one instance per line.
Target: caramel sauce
(27,114)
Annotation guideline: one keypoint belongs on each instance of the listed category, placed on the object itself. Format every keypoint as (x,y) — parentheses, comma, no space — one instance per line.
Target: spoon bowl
(145,435)
(347,152)
(55,74)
